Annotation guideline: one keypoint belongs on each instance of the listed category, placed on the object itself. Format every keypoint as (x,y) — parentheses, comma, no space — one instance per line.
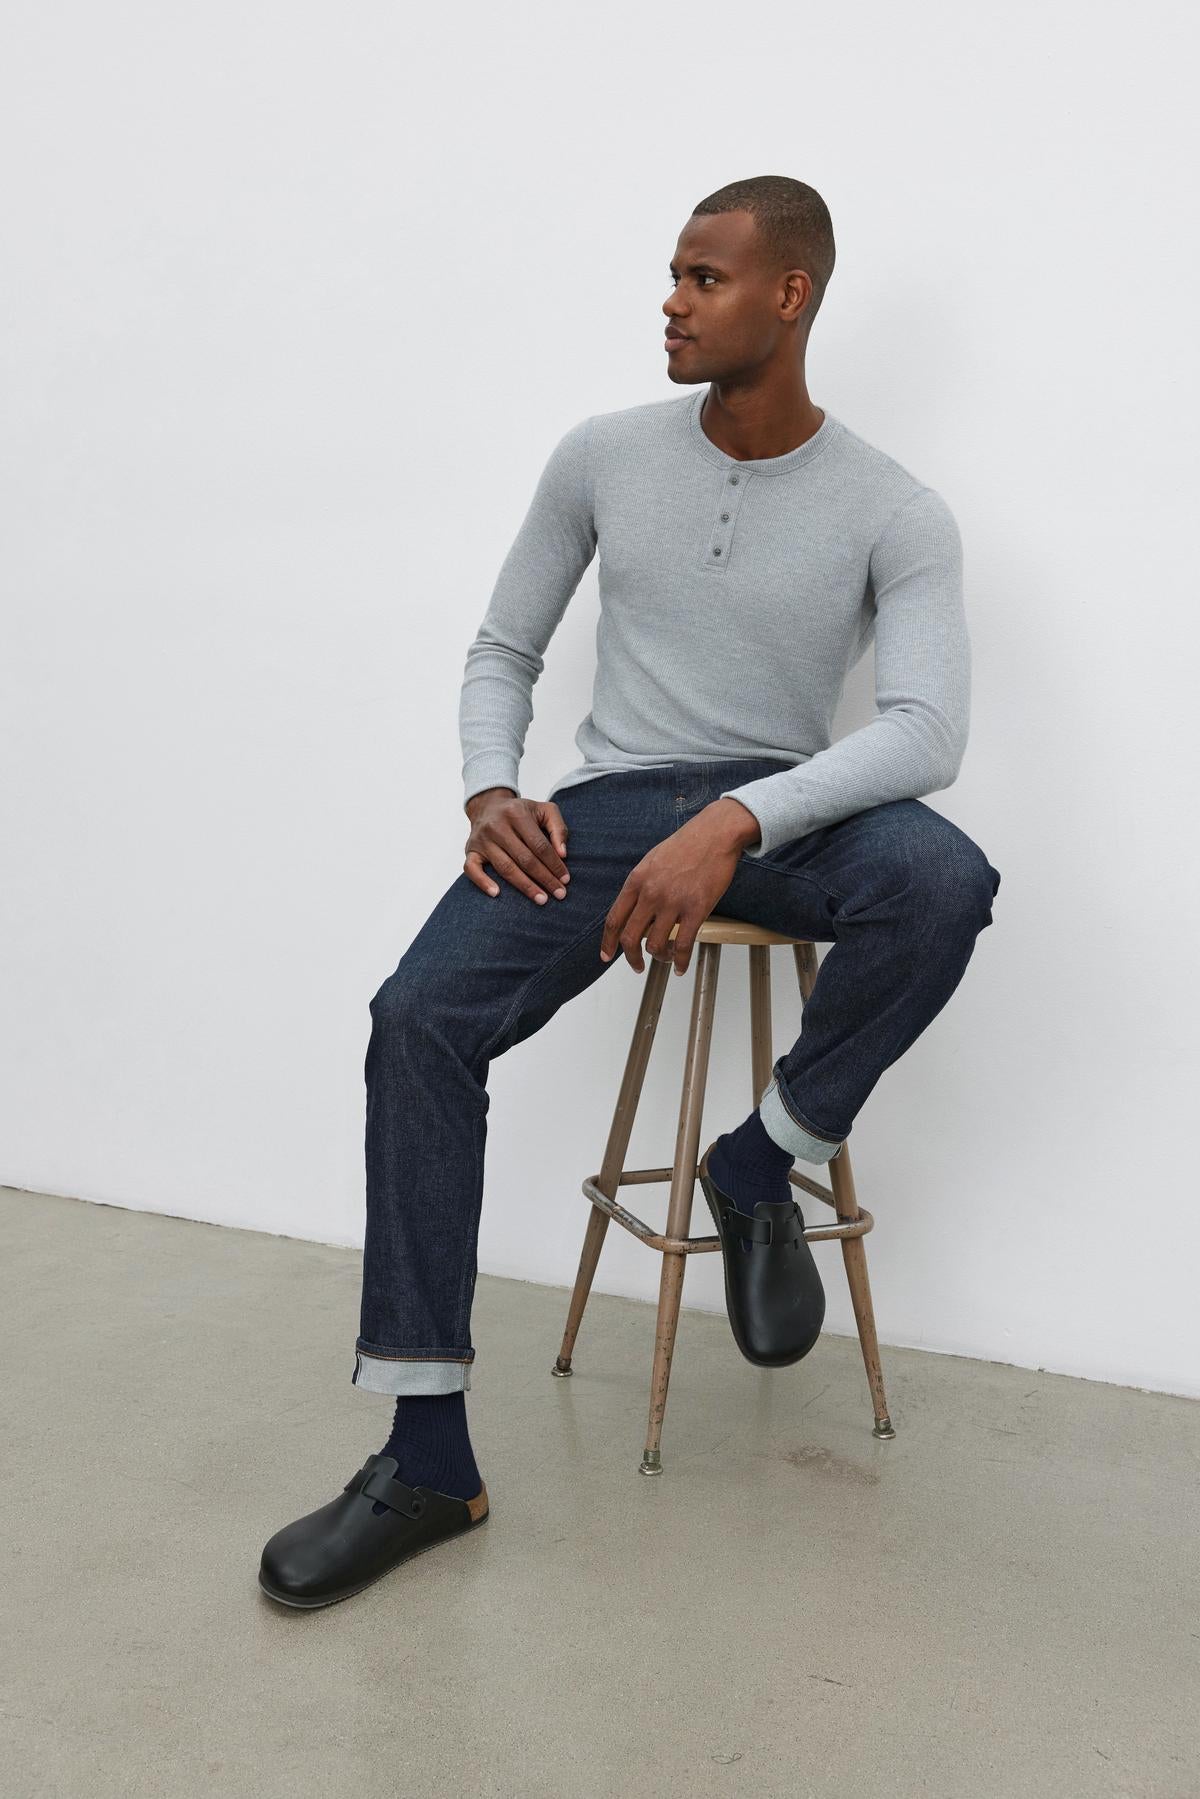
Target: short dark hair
(794,226)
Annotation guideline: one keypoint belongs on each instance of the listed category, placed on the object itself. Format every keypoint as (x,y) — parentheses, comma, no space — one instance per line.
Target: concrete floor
(1000,1602)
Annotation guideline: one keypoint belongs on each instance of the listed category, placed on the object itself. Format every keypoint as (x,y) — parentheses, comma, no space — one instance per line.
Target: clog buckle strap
(764,1230)
(374,1481)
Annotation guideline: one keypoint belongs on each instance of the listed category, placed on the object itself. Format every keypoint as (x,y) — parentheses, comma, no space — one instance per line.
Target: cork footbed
(478,1507)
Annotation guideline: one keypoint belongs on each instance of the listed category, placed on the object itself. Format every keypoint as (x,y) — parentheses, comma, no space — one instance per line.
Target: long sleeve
(553,547)
(916,743)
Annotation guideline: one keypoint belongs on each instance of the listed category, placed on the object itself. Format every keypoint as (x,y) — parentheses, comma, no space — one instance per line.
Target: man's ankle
(432,1446)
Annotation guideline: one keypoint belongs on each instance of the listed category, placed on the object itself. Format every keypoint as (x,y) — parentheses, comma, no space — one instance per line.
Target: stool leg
(653,988)
(683,1190)
(854,1253)
(761,1059)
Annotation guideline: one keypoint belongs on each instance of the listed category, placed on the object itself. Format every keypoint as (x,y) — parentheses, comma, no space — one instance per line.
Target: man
(751,546)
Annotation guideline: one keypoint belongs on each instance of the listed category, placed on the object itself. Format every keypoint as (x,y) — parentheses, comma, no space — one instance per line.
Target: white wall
(298,298)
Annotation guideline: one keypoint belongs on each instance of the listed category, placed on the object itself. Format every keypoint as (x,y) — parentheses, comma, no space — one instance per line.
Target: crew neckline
(759,465)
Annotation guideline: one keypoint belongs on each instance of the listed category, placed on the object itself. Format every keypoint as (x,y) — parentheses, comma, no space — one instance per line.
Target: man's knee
(420,990)
(949,874)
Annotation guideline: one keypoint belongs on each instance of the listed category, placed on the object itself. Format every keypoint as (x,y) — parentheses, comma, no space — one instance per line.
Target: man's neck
(751,423)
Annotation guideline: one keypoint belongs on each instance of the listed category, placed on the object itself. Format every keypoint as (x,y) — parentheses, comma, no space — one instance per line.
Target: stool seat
(736,930)
(673,1243)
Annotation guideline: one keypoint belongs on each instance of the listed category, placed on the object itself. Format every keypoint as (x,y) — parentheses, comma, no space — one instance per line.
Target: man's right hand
(524,840)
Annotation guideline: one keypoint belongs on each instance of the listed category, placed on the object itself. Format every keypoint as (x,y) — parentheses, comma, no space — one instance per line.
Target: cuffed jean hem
(397,1371)
(783,1129)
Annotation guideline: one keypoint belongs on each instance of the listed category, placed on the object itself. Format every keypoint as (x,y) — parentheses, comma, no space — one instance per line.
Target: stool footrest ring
(645,1233)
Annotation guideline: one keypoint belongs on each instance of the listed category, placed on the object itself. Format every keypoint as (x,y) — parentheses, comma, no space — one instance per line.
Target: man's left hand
(678,882)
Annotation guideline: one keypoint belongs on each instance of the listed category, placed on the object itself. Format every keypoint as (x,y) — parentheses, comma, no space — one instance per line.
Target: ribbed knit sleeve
(922,688)
(553,547)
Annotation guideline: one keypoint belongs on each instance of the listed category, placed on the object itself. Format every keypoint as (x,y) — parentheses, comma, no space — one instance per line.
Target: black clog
(344,1546)
(773,1290)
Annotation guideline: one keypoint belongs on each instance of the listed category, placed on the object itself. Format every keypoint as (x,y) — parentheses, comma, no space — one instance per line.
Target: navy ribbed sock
(749,1165)
(430,1442)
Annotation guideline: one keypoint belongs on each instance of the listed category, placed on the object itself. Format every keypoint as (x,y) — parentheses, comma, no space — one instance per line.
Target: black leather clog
(773,1291)
(344,1546)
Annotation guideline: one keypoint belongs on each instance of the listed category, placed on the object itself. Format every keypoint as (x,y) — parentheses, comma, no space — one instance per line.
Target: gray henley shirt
(735,598)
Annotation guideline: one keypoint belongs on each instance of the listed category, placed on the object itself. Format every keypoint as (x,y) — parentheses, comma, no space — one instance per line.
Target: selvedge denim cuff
(397,1373)
(782,1128)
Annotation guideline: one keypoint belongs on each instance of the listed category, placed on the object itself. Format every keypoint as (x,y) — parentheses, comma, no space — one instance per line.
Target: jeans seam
(402,1355)
(540,974)
(465,1291)
(793,874)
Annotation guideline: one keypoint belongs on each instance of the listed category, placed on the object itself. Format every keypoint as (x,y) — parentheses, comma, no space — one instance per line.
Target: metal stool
(675,1247)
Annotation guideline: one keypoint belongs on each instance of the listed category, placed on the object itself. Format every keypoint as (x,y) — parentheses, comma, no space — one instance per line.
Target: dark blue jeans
(899,891)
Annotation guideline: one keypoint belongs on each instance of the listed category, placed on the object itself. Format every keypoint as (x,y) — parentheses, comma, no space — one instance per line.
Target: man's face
(725,300)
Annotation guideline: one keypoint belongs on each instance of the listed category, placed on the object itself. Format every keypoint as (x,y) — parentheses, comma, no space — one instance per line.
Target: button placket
(716,551)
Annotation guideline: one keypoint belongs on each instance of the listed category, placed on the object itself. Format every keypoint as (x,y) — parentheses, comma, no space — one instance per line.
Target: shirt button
(717,551)
(733,480)
(724,518)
